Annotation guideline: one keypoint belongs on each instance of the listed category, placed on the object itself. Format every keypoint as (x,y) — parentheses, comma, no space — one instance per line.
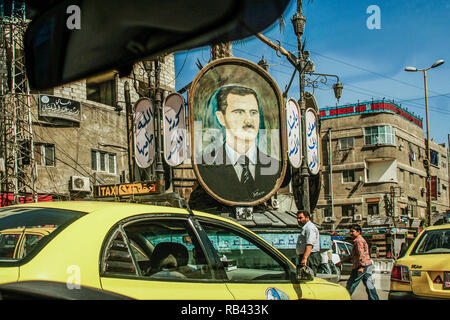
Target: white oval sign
(294,138)
(144,133)
(312,141)
(175,138)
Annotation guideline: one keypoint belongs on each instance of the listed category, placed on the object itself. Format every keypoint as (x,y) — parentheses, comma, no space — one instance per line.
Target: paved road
(382,283)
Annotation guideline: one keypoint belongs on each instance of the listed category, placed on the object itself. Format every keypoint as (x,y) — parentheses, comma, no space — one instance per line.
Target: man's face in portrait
(241,120)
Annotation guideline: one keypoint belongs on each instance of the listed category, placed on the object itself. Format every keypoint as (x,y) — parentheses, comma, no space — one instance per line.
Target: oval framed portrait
(238,132)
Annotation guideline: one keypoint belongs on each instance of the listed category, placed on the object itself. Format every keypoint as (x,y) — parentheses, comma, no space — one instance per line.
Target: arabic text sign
(126,189)
(293,133)
(144,133)
(56,107)
(312,141)
(174,129)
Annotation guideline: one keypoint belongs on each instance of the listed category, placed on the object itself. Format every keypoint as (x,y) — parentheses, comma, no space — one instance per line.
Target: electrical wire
(414,105)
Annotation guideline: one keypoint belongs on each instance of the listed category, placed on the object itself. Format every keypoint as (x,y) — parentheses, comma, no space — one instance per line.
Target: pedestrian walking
(362,265)
(308,242)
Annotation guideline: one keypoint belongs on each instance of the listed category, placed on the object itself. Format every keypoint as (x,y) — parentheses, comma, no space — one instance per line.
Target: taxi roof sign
(126,189)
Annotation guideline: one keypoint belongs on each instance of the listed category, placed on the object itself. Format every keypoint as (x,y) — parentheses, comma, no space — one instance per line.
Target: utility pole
(158,104)
(130,131)
(17,149)
(429,213)
(331,179)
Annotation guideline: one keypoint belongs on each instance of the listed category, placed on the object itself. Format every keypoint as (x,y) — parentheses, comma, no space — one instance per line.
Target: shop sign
(59,108)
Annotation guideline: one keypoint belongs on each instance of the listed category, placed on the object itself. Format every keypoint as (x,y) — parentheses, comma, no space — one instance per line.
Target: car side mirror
(305,273)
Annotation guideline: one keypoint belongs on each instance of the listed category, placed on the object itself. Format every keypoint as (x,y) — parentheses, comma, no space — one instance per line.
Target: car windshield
(22,230)
(433,241)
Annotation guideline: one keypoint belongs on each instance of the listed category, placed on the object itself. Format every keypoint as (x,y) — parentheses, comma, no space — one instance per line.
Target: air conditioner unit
(358,217)
(329,219)
(80,184)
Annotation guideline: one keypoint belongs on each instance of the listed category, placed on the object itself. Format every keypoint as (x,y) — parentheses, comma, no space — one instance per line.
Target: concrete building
(378,178)
(88,139)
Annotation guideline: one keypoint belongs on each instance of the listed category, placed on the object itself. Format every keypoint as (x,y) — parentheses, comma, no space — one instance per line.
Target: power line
(414,105)
(364,69)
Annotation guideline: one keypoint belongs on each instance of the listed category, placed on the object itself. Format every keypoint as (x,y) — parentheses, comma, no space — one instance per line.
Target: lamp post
(413,69)
(304,66)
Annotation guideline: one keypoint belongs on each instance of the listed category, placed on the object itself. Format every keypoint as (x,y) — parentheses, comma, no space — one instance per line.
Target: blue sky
(370,63)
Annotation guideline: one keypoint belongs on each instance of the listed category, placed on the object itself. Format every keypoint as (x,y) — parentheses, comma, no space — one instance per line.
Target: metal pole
(159,147)
(302,103)
(429,219)
(130,132)
(331,180)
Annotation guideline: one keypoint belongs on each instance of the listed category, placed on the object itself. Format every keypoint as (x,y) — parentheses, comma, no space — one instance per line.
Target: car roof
(90,207)
(439,227)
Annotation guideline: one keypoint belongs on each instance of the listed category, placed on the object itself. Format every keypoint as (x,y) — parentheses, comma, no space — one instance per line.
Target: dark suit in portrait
(217,171)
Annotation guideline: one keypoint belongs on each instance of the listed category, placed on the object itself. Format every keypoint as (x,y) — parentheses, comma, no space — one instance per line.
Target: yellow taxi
(147,252)
(424,270)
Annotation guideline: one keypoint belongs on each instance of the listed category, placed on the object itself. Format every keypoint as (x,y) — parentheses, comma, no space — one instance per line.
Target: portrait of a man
(238,170)
(236,129)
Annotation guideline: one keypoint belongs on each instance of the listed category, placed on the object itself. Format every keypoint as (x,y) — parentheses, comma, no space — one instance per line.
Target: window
(45,154)
(348,176)
(373,209)
(101,91)
(433,242)
(348,211)
(379,135)
(24,231)
(346,143)
(162,249)
(103,161)
(381,171)
(411,178)
(434,158)
(8,244)
(243,257)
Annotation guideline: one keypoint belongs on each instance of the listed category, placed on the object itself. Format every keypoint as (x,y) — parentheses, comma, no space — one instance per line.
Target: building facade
(375,152)
(80,131)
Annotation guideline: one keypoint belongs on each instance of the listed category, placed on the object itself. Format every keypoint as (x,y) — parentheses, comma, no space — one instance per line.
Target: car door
(253,269)
(159,258)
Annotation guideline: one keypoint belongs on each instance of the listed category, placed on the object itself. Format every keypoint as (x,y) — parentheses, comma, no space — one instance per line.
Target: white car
(341,250)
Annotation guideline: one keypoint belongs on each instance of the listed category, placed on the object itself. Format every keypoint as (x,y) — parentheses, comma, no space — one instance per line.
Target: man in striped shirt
(362,265)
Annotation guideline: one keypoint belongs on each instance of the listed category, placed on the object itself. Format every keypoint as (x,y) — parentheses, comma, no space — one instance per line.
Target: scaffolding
(17,161)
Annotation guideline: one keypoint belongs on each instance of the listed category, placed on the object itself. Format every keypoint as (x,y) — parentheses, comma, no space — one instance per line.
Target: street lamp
(413,69)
